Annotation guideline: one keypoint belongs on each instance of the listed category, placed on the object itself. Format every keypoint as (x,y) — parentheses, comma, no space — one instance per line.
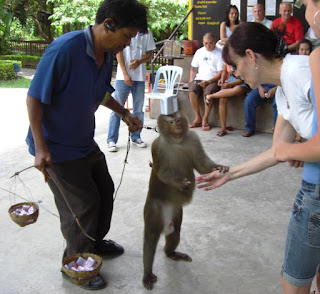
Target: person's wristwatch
(124,113)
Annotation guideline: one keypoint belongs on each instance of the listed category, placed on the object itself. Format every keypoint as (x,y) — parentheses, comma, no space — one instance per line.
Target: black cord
(151,128)
(125,162)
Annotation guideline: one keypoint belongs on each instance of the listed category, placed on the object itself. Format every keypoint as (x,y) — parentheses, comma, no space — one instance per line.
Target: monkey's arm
(202,163)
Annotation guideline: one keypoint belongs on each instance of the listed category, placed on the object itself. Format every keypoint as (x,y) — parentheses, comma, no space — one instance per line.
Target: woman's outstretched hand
(212,180)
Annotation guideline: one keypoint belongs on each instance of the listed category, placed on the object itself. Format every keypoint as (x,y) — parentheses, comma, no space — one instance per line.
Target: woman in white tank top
(229,24)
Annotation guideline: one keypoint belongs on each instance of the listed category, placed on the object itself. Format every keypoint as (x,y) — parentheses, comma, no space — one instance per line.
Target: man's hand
(203,84)
(41,161)
(271,93)
(127,80)
(134,64)
(262,92)
(132,122)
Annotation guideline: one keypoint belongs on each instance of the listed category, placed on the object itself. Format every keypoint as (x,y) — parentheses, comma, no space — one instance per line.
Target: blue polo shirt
(71,87)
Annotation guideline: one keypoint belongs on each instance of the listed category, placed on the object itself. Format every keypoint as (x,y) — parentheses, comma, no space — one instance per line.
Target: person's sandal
(222,133)
(229,128)
(194,125)
(206,127)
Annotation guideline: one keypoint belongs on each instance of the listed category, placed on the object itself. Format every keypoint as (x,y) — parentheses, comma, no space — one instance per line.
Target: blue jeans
(302,252)
(121,95)
(251,102)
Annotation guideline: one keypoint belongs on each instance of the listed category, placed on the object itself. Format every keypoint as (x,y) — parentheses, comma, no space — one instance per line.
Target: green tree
(75,14)
(165,16)
(37,10)
(48,15)
(6,17)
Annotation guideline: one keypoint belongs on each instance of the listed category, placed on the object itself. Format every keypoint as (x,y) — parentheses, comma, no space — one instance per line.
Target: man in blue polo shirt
(71,81)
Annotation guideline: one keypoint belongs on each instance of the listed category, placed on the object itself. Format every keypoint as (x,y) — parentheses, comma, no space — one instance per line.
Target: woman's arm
(283,132)
(308,151)
(223,34)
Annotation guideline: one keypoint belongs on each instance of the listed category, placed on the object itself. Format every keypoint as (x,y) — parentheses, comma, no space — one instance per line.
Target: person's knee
(223,101)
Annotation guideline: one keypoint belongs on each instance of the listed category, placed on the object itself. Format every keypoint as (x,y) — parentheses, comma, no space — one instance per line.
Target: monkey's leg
(173,239)
(149,248)
(152,231)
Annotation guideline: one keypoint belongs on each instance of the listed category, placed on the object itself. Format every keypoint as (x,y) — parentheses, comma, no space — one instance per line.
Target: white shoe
(140,143)
(112,147)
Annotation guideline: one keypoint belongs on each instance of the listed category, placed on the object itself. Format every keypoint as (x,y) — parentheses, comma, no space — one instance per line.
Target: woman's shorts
(232,78)
(302,252)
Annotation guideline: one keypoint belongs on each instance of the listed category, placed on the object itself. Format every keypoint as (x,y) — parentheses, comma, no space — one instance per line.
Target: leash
(126,161)
(124,166)
(151,128)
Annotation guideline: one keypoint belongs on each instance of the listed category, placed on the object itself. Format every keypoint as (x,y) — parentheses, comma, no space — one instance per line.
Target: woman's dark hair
(258,38)
(124,13)
(305,41)
(226,19)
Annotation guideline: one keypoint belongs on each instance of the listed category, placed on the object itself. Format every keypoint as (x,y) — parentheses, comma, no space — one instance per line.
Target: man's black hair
(124,13)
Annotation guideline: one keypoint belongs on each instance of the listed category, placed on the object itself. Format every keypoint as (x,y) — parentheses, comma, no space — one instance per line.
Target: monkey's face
(174,126)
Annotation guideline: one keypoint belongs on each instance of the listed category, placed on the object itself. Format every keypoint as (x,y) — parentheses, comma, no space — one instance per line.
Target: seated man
(293,26)
(253,99)
(206,68)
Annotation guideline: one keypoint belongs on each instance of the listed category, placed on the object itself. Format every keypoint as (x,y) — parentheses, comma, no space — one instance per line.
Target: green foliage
(155,67)
(6,17)
(165,16)
(7,70)
(19,82)
(25,10)
(26,60)
(73,12)
(12,61)
(19,32)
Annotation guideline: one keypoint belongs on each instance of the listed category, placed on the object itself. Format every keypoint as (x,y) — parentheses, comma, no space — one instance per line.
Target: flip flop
(206,127)
(229,128)
(195,125)
(222,133)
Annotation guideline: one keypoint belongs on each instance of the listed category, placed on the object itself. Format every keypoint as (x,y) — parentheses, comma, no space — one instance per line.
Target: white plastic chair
(172,77)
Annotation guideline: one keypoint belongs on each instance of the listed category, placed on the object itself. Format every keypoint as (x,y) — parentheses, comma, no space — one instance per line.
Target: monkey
(176,152)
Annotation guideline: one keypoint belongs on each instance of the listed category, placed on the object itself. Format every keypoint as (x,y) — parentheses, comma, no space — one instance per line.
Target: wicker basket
(24,220)
(80,278)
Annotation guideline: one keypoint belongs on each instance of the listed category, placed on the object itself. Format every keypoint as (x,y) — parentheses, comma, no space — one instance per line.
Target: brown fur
(175,153)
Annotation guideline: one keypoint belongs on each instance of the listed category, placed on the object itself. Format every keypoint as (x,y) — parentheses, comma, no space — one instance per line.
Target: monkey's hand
(185,185)
(212,180)
(221,168)
(132,121)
